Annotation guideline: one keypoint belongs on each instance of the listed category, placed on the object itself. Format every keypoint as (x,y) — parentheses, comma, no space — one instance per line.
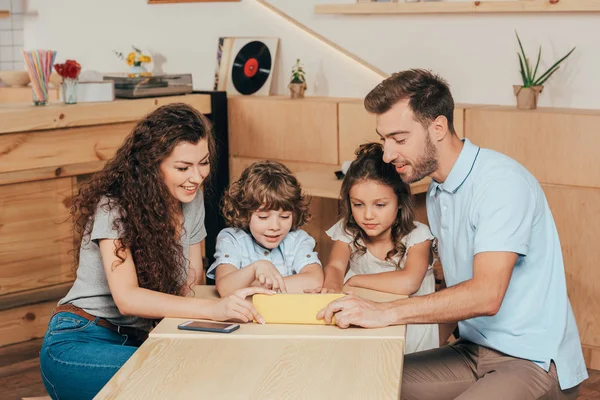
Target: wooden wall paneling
(356,126)
(51,172)
(325,215)
(458,7)
(25,323)
(592,357)
(16,118)
(576,211)
(459,122)
(23,94)
(21,151)
(35,235)
(557,147)
(34,296)
(284,129)
(238,164)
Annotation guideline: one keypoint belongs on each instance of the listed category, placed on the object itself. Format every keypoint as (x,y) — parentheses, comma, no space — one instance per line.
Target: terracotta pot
(527,96)
(297,90)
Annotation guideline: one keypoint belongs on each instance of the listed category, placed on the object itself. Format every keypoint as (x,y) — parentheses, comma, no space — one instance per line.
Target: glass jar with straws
(39,66)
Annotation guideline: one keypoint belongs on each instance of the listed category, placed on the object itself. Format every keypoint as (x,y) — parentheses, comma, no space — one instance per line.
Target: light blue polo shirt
(238,248)
(490,202)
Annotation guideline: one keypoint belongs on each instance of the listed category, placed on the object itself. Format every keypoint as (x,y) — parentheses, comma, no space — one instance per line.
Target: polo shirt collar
(460,171)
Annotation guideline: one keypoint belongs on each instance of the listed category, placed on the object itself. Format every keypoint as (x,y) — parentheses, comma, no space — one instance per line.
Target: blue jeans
(79,357)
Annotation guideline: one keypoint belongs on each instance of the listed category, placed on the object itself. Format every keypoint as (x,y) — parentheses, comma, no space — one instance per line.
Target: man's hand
(352,310)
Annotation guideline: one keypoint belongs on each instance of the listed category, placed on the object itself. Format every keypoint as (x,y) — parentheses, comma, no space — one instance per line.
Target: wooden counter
(45,153)
(271,361)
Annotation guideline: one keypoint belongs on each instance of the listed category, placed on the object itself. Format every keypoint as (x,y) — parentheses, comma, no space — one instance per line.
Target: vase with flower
(136,60)
(69,72)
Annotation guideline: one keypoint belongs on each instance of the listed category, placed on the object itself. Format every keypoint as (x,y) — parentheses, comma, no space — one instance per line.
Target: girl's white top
(418,337)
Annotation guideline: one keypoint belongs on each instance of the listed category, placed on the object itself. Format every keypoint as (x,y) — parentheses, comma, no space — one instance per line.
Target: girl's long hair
(132,184)
(369,166)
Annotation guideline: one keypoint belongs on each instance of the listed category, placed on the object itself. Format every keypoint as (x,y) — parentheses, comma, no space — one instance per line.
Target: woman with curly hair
(378,244)
(263,246)
(140,223)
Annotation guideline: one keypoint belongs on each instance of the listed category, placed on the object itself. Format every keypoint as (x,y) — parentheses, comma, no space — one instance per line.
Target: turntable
(151,86)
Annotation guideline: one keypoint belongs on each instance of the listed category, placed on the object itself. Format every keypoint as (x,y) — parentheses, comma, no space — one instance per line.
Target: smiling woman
(140,222)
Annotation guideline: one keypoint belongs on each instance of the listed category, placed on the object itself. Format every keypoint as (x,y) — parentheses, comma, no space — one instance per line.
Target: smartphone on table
(206,326)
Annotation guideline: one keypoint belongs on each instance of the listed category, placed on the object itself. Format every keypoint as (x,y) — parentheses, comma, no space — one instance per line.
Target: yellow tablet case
(292,308)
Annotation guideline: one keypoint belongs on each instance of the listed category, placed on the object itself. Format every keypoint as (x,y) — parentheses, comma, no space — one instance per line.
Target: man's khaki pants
(465,371)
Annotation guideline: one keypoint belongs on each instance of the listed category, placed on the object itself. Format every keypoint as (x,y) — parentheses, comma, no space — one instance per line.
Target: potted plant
(297,84)
(527,94)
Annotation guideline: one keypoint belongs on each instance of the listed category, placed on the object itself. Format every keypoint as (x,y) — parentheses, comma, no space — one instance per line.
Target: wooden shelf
(4,13)
(325,184)
(441,7)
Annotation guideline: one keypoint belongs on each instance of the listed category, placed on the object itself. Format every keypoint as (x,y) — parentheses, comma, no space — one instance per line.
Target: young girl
(141,221)
(377,243)
(264,246)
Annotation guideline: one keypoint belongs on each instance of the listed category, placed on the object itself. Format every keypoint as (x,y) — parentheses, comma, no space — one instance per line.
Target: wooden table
(264,362)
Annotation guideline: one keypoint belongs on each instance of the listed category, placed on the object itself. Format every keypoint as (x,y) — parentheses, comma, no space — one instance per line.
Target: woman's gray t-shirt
(90,290)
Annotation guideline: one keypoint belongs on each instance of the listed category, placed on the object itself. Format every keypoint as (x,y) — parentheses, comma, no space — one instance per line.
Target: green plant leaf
(541,81)
(528,69)
(552,69)
(525,81)
(537,64)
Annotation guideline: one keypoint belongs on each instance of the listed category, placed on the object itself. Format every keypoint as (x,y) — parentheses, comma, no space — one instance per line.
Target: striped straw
(39,66)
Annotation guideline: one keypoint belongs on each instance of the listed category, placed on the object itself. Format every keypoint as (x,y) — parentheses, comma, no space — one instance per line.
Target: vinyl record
(251,67)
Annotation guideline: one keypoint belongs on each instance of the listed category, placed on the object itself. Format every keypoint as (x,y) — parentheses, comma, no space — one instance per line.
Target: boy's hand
(268,276)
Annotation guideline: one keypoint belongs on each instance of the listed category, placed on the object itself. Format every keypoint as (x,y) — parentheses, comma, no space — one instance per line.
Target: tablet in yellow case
(292,308)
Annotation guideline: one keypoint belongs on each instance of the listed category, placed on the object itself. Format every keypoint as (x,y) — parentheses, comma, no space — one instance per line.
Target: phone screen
(208,326)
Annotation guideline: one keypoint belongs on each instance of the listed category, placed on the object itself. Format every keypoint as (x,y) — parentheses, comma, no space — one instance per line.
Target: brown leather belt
(121,330)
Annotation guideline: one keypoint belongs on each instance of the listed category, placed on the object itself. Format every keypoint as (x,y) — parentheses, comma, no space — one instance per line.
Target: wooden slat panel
(458,7)
(35,235)
(325,215)
(24,117)
(592,357)
(34,296)
(556,147)
(25,323)
(22,94)
(283,129)
(49,149)
(52,172)
(576,212)
(238,164)
(357,127)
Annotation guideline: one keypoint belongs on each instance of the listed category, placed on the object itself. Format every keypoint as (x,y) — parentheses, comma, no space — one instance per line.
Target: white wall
(475,53)
(185,37)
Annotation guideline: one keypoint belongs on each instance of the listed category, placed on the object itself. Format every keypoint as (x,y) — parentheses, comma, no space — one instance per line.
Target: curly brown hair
(369,165)
(264,185)
(132,183)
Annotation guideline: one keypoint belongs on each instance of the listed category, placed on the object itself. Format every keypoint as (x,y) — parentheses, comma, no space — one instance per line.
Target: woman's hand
(236,307)
(268,276)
